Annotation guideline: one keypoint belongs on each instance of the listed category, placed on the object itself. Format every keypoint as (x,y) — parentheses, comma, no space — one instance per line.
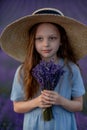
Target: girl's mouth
(46,51)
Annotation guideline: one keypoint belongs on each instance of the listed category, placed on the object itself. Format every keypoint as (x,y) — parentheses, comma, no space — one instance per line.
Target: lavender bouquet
(47,74)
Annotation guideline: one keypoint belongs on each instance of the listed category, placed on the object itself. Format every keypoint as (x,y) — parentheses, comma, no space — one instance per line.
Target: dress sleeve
(17,93)
(78,88)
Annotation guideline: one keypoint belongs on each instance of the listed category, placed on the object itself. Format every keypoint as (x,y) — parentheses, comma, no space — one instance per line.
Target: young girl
(46,35)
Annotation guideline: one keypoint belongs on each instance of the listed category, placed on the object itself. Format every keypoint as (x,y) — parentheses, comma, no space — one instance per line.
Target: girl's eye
(52,38)
(38,38)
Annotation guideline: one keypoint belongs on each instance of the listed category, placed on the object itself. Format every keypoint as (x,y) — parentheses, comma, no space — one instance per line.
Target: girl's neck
(56,59)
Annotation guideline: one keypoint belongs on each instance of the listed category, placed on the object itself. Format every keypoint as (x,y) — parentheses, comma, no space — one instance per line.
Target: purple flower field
(9,120)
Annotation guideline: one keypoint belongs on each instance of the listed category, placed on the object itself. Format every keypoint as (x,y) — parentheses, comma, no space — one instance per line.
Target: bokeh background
(11,10)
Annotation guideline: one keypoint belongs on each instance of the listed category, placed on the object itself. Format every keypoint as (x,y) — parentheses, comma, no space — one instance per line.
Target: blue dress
(63,119)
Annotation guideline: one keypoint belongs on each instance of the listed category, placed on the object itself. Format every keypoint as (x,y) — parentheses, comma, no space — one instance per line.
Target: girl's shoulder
(75,70)
(74,67)
(19,72)
(19,69)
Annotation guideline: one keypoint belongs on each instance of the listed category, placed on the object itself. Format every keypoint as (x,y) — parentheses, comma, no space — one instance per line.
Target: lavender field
(10,10)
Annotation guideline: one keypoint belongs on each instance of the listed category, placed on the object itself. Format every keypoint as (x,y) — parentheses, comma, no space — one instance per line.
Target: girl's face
(47,41)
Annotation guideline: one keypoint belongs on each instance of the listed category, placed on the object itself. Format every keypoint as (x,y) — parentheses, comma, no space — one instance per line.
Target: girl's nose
(46,42)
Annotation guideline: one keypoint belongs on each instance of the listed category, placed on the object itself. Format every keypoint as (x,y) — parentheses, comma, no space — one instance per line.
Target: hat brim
(14,38)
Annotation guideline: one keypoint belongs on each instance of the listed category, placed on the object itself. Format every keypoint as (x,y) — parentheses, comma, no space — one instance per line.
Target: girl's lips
(46,51)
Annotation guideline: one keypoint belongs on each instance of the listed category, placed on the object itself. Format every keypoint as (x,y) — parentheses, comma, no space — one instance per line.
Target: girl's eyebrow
(48,35)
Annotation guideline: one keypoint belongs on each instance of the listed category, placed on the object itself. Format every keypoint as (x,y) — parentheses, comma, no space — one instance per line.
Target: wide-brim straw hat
(14,38)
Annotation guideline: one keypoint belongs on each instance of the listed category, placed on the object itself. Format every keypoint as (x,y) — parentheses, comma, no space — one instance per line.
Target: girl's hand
(41,102)
(51,97)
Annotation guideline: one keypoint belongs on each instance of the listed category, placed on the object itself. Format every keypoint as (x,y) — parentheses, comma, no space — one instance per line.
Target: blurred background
(11,10)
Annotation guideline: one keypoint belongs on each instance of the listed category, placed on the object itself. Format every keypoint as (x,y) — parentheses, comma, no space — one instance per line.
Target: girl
(46,35)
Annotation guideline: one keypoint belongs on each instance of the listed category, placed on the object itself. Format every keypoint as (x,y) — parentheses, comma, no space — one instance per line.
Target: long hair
(65,51)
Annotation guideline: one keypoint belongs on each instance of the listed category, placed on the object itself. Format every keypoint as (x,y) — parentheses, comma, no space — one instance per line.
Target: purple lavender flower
(7,122)
(48,75)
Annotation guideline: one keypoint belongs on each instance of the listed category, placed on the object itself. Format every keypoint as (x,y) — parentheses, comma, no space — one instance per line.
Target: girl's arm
(26,106)
(47,99)
(76,104)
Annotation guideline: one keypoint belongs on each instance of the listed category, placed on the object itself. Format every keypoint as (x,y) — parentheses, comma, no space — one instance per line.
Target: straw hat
(14,37)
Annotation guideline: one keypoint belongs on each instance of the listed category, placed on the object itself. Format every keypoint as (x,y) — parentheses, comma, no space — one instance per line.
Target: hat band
(48,11)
